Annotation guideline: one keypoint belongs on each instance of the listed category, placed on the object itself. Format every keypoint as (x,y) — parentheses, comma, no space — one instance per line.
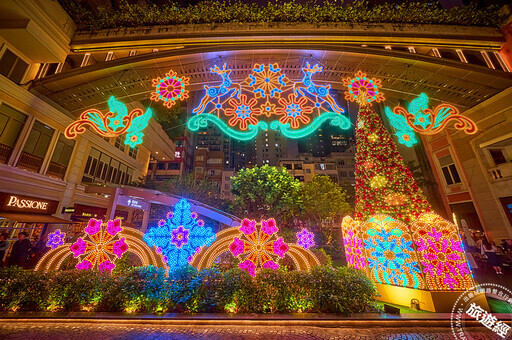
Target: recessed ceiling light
(157,152)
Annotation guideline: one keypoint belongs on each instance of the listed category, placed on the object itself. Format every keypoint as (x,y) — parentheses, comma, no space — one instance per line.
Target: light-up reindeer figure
(320,91)
(224,88)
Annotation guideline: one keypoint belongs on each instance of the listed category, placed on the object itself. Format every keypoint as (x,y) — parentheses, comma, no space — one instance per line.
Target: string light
(114,123)
(170,89)
(180,237)
(56,239)
(423,120)
(266,93)
(54,258)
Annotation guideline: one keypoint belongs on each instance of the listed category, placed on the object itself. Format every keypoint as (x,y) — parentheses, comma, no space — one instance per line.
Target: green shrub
(149,290)
(128,14)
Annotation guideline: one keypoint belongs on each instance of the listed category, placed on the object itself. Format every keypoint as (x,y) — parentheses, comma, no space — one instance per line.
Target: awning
(33,218)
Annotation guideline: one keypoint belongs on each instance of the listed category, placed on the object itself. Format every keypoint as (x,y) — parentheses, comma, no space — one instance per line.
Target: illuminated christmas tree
(384,185)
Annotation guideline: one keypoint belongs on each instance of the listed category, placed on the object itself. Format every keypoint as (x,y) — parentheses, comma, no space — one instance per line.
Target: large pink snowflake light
(258,246)
(441,254)
(353,244)
(101,246)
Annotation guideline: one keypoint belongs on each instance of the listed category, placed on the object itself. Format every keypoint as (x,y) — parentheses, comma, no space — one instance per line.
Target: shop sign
(132,203)
(13,202)
(68,210)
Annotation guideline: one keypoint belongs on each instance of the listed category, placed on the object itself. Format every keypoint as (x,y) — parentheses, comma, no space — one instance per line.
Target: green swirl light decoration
(201,121)
(336,120)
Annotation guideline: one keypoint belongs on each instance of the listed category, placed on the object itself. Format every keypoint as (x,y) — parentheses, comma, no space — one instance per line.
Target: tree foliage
(199,189)
(324,201)
(266,192)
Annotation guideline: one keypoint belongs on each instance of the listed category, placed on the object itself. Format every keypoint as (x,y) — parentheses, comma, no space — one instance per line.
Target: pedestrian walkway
(120,330)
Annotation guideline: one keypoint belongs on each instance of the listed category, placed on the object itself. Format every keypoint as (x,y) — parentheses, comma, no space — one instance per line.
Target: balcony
(501,172)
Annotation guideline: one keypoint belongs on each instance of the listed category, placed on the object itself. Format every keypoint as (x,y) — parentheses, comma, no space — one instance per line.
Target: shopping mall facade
(51,73)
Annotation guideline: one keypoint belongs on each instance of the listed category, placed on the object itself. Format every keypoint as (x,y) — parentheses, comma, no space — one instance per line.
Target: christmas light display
(180,236)
(396,239)
(390,252)
(384,185)
(420,118)
(354,251)
(305,239)
(249,106)
(53,259)
(363,90)
(441,253)
(258,246)
(114,123)
(237,240)
(101,246)
(170,88)
(56,239)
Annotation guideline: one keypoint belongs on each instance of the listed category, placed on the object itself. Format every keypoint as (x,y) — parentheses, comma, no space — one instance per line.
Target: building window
(11,123)
(174,166)
(199,158)
(119,143)
(214,161)
(343,174)
(449,170)
(36,147)
(12,66)
(161,166)
(101,168)
(288,166)
(298,166)
(308,171)
(497,156)
(60,158)
(132,152)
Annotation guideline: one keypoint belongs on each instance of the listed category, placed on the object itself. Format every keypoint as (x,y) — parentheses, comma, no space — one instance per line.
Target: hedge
(125,14)
(148,290)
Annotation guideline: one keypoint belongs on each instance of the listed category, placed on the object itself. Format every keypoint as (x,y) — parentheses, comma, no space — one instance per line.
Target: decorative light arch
(303,259)
(54,258)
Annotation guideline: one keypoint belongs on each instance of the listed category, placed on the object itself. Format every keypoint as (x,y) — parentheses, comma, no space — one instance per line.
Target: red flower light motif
(258,246)
(243,112)
(294,110)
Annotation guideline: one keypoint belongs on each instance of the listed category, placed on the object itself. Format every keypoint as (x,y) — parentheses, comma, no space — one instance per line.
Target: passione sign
(14,202)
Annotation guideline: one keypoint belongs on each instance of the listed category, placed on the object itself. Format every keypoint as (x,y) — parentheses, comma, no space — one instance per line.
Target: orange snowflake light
(294,111)
(243,112)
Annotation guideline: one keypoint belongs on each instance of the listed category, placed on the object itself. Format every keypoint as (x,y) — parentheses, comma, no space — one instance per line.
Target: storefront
(29,214)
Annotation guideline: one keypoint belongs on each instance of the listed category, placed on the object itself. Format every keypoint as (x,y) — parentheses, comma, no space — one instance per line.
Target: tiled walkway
(41,331)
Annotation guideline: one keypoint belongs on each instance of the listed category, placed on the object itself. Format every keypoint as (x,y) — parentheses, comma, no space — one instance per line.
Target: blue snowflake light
(179,237)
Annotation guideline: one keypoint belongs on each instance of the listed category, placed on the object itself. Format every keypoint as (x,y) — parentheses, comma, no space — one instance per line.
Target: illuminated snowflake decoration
(56,239)
(362,89)
(294,111)
(267,80)
(170,89)
(243,112)
(101,246)
(441,253)
(180,236)
(258,246)
(305,239)
(353,244)
(390,253)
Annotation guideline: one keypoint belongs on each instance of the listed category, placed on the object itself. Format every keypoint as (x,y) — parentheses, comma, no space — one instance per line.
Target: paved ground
(53,331)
